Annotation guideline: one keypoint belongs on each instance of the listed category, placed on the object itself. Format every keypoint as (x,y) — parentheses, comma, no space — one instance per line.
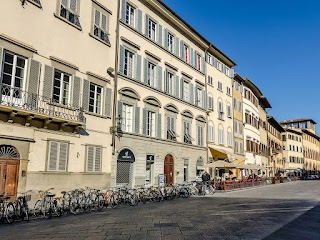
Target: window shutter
(48,82)
(197,135)
(107,102)
(144,121)
(33,83)
(231,73)
(159,34)
(65,3)
(63,156)
(159,80)
(182,50)
(166,39)
(139,20)
(123,10)
(97,15)
(137,120)
(97,162)
(193,57)
(177,46)
(85,96)
(138,67)
(90,158)
(166,81)
(147,26)
(120,104)
(181,88)
(1,56)
(121,59)
(204,99)
(76,92)
(53,156)
(145,71)
(191,88)
(203,65)
(159,126)
(177,87)
(103,22)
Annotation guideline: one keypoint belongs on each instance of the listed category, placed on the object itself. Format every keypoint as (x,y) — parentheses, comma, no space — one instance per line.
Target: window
(68,10)
(151,74)
(229,110)
(186,53)
(170,42)
(151,124)
(210,80)
(209,58)
(186,132)
(199,97)
(95,99)
(239,106)
(130,15)
(186,91)
(229,138)
(171,134)
(128,63)
(152,30)
(198,62)
(234,103)
(13,75)
(221,135)
(220,109)
(169,83)
(100,26)
(200,135)
(94,158)
(236,147)
(210,102)
(57,156)
(61,88)
(228,91)
(220,86)
(127,118)
(211,133)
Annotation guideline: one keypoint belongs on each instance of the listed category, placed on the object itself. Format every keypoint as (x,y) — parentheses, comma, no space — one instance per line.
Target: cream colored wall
(311,146)
(287,153)
(236,114)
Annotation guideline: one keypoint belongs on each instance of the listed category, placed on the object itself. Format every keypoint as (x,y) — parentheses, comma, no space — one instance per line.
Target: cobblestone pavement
(284,211)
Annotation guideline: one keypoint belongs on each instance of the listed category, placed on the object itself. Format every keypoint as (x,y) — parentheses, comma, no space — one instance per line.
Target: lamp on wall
(116,130)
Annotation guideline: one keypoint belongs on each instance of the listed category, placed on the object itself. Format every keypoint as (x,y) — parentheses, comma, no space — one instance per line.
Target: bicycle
(47,205)
(7,211)
(21,206)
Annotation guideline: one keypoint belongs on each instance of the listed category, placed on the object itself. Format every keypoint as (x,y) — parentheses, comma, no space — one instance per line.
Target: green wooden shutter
(159,126)
(137,120)
(166,39)
(146,31)
(123,10)
(85,96)
(191,89)
(181,88)
(159,79)
(159,34)
(204,99)
(182,50)
(97,160)
(177,46)
(107,102)
(145,71)
(33,83)
(76,92)
(90,158)
(53,156)
(48,82)
(139,20)
(63,156)
(121,59)
(203,65)
(119,113)
(144,121)
(166,81)
(177,87)
(138,67)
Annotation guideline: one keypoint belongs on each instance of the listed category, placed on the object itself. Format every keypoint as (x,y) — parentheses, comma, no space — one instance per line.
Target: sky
(274,43)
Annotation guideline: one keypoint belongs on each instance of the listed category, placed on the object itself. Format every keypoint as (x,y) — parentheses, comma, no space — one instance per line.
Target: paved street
(284,211)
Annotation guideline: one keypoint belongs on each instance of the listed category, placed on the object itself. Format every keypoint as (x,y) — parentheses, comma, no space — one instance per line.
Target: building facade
(55,106)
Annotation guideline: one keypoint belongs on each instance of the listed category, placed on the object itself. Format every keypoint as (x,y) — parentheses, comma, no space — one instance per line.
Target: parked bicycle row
(87,199)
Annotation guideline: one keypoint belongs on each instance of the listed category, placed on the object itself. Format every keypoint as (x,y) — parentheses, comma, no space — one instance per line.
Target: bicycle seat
(63,192)
(6,198)
(50,195)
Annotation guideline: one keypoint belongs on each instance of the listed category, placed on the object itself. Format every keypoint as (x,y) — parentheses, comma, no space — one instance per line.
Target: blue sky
(274,43)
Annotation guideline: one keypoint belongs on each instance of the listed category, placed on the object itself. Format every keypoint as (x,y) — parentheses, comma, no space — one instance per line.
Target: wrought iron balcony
(25,103)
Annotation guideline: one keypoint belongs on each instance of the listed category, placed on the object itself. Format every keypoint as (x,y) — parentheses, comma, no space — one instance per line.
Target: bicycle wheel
(10,213)
(114,201)
(47,210)
(57,208)
(25,214)
(100,202)
(18,210)
(37,208)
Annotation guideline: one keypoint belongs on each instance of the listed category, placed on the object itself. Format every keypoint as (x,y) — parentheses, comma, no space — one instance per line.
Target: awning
(221,164)
(221,153)
(253,167)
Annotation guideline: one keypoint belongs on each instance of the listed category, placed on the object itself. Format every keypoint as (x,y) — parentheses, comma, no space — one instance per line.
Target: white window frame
(186,91)
(229,136)
(101,30)
(58,156)
(198,97)
(151,123)
(200,135)
(186,53)
(229,114)
(170,42)
(70,12)
(129,63)
(198,62)
(130,15)
(152,68)
(228,91)
(96,110)
(152,29)
(127,117)
(170,83)
(221,135)
(211,133)
(219,85)
(62,88)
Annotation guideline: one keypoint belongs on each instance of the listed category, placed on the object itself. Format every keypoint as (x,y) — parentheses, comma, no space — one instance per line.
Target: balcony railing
(16,98)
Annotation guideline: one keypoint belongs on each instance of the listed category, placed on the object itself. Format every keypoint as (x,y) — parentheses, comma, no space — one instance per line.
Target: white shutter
(103,22)
(53,156)
(97,16)
(90,158)
(97,162)
(63,156)
(73,6)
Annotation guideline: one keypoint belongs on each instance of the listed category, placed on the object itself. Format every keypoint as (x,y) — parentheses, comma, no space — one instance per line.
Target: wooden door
(169,169)
(9,172)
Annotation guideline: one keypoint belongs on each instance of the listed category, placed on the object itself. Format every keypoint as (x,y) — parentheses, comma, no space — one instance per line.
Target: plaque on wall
(126,155)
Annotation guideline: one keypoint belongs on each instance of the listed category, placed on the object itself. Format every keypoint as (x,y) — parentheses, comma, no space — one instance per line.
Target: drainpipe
(206,88)
(115,86)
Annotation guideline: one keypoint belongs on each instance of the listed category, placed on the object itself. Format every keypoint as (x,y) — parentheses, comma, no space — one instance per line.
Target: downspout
(115,86)
(206,88)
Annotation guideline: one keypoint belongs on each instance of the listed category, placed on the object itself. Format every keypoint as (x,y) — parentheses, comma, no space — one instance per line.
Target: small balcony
(31,109)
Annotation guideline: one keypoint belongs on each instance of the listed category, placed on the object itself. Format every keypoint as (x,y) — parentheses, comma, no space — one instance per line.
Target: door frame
(166,163)
(3,181)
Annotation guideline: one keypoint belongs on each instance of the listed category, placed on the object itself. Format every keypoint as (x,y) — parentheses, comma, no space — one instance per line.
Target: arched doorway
(9,170)
(169,169)
(125,162)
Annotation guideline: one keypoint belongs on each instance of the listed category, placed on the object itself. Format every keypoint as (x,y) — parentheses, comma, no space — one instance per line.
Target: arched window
(221,134)
(210,101)
(9,152)
(229,114)
(211,132)
(229,137)
(220,109)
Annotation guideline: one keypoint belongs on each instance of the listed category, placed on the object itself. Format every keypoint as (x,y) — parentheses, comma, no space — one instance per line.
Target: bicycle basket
(28,198)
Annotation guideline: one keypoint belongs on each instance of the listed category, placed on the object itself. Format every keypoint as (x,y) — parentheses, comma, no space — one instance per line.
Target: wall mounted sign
(126,155)
(150,158)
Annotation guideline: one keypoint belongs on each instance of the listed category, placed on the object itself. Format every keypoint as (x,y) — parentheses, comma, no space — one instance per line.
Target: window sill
(65,20)
(35,4)
(91,173)
(219,90)
(97,115)
(98,39)
(55,172)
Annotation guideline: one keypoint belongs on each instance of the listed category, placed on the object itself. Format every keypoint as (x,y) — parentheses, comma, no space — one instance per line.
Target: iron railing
(15,97)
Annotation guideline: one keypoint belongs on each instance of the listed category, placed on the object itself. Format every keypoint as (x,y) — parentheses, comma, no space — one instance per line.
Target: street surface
(283,211)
